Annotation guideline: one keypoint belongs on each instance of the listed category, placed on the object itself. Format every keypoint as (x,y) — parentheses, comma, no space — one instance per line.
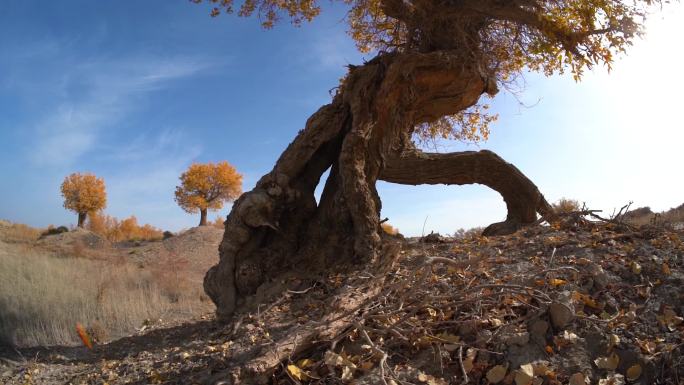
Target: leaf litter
(577,302)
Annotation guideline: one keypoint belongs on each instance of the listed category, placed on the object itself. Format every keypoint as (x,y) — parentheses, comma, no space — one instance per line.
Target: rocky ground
(575,303)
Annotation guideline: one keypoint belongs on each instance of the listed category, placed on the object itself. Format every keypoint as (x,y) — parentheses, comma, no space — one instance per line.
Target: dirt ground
(575,303)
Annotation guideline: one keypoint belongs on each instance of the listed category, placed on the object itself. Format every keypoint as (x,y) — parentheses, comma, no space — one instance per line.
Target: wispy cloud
(334,51)
(97,94)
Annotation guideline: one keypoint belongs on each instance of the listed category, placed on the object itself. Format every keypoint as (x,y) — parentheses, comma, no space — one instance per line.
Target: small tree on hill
(207,186)
(83,193)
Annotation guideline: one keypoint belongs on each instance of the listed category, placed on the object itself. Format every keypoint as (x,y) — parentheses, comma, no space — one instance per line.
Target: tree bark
(81,219)
(278,226)
(203,217)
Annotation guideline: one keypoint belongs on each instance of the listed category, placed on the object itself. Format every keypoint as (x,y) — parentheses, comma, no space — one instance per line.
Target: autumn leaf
(497,374)
(577,379)
(524,375)
(296,372)
(609,363)
(469,359)
(634,372)
(83,335)
(670,319)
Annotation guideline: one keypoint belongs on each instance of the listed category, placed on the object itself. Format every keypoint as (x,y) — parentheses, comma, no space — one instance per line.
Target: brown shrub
(565,205)
(18,233)
(470,234)
(218,223)
(644,216)
(116,230)
(42,297)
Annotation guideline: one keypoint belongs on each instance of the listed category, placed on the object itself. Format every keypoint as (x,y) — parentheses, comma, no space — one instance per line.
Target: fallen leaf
(541,368)
(636,267)
(524,375)
(613,340)
(295,372)
(305,363)
(430,380)
(469,359)
(347,373)
(634,372)
(666,269)
(670,319)
(612,379)
(83,335)
(585,299)
(648,347)
(495,322)
(335,360)
(577,379)
(608,363)
(449,338)
(496,374)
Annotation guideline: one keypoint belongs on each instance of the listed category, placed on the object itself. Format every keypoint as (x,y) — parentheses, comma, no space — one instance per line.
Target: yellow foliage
(503,38)
(117,230)
(389,229)
(218,223)
(208,186)
(84,193)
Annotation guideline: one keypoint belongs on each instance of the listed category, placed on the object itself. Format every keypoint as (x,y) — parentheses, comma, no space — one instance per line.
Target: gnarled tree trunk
(362,136)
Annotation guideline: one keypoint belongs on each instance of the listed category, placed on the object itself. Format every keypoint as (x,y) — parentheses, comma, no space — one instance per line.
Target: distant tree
(83,193)
(207,187)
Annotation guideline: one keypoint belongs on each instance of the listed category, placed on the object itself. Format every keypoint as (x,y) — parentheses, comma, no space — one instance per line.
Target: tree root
(522,197)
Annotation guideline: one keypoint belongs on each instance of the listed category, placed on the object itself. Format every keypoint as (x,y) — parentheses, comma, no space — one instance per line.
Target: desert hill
(48,283)
(575,303)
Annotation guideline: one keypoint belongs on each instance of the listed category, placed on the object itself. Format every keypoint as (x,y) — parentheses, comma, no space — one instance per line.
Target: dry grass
(42,297)
(644,216)
(18,233)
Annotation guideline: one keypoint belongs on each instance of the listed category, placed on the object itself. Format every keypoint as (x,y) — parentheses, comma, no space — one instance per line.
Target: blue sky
(136,91)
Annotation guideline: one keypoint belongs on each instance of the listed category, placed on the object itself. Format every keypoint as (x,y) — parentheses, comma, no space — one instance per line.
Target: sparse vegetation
(218,222)
(565,205)
(44,294)
(644,216)
(18,233)
(116,230)
(470,234)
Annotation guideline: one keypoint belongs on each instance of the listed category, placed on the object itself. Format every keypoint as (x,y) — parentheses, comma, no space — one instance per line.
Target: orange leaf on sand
(83,335)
